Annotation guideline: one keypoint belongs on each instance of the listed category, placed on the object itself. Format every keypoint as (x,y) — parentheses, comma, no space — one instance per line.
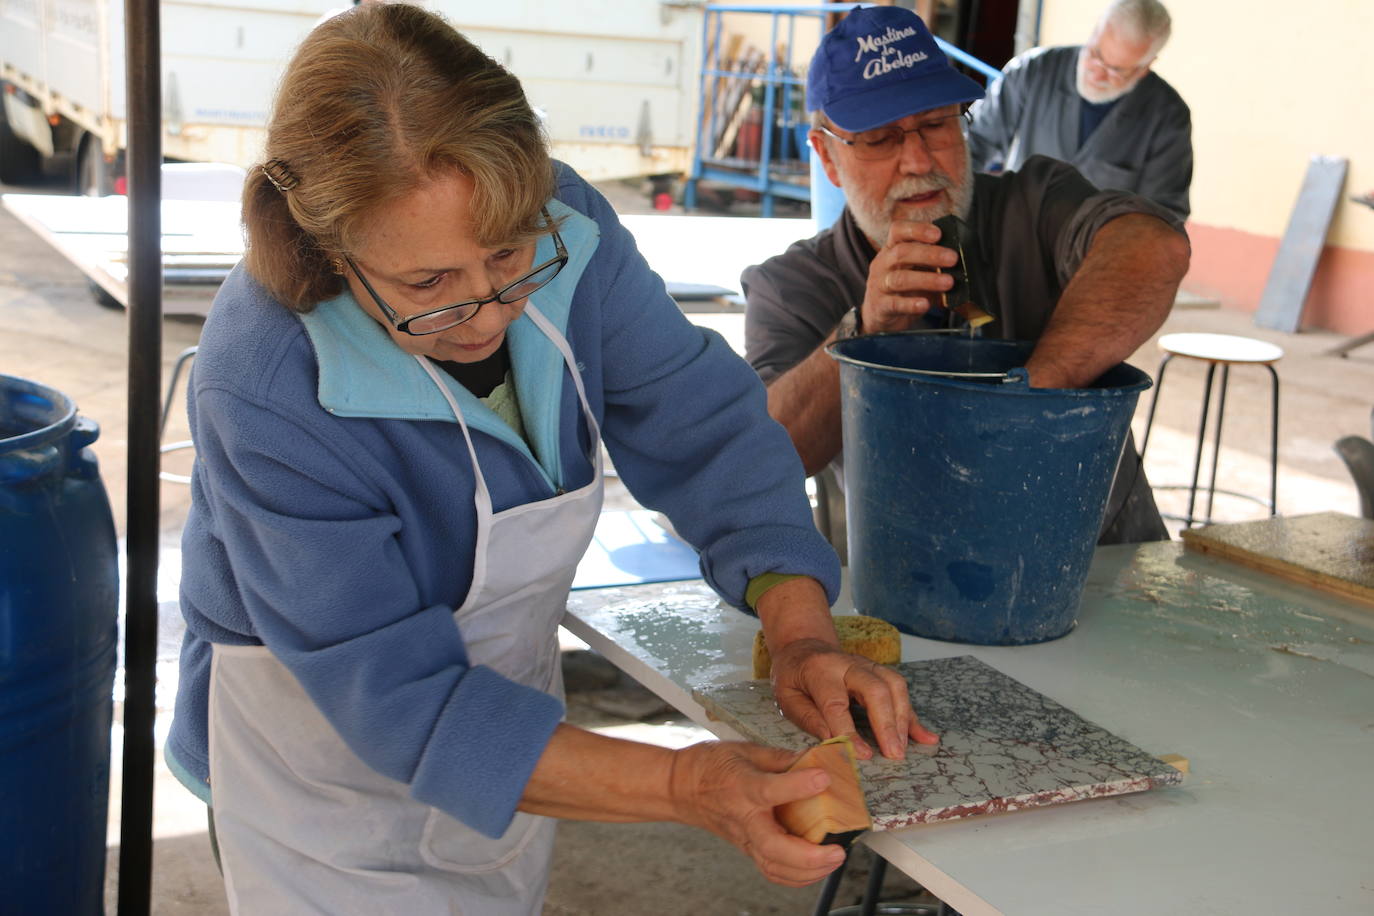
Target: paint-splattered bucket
(973,500)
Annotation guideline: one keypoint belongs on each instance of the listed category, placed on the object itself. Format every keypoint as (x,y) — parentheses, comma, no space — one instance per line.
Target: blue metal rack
(787,174)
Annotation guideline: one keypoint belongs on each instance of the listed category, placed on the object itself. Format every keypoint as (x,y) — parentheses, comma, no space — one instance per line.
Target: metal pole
(143,54)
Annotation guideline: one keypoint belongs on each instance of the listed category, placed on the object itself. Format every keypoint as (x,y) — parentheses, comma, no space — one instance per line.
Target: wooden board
(1290,277)
(1003,746)
(1327,551)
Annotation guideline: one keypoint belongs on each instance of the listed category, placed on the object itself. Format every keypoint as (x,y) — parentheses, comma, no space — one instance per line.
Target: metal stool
(182,359)
(1358,454)
(829,512)
(1223,350)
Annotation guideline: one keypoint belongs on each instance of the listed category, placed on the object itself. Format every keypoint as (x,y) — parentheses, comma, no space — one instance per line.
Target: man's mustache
(919,184)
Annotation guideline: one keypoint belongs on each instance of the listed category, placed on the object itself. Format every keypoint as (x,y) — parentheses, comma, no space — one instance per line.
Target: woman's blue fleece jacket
(332,516)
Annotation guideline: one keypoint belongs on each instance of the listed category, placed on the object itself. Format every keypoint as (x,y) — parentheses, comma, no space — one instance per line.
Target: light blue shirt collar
(363,373)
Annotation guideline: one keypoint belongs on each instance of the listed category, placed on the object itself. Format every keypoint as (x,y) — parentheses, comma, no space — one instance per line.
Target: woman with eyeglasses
(397,407)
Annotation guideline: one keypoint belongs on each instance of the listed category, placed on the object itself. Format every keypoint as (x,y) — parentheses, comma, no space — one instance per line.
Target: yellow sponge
(870,637)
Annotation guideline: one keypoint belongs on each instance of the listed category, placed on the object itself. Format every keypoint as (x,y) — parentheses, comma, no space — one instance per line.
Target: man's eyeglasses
(441,319)
(1116,73)
(885,142)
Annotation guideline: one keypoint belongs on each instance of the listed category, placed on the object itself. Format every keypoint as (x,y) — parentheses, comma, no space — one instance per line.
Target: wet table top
(1267,688)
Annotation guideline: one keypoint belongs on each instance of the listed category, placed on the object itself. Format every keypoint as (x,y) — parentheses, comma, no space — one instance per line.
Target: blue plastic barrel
(973,501)
(59,593)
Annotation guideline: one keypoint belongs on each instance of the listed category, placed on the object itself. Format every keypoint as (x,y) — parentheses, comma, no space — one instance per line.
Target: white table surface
(1267,689)
(92,233)
(706,251)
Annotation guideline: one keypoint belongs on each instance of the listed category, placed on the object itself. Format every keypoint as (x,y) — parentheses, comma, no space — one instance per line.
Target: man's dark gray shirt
(1144,145)
(1033,228)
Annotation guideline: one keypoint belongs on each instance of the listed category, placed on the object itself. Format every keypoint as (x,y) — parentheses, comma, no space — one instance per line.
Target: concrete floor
(51,331)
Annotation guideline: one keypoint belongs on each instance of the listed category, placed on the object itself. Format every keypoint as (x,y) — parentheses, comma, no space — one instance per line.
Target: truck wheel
(19,162)
(92,174)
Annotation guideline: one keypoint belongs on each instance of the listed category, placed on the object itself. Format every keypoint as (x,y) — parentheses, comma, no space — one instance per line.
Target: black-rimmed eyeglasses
(441,319)
(885,142)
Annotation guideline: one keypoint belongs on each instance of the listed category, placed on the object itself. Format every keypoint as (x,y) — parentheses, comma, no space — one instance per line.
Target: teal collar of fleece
(364,374)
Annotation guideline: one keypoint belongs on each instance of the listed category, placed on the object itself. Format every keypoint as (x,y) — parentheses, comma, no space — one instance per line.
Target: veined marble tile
(1003,746)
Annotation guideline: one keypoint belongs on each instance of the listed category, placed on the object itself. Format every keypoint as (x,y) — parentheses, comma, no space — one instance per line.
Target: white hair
(1141,20)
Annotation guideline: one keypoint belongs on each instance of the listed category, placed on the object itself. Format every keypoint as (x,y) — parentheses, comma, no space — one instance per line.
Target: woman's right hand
(731,788)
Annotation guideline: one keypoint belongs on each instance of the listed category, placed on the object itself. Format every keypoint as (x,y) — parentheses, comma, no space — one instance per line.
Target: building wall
(1270,84)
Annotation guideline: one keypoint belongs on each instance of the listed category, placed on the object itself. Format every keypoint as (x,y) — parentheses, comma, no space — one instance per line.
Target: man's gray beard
(1091,93)
(875,217)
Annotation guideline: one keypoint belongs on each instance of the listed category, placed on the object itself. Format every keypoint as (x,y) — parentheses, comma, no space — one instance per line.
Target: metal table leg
(871,905)
(832,885)
(875,886)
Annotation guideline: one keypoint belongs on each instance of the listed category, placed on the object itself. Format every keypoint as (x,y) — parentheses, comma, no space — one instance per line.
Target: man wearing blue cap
(1089,275)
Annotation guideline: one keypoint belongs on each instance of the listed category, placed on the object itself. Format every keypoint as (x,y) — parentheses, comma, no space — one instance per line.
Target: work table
(1266,688)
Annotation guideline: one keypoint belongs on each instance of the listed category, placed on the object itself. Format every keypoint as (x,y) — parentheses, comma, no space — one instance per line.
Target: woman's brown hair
(375,102)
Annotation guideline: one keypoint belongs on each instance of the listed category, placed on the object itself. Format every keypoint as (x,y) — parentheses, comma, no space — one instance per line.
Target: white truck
(618,90)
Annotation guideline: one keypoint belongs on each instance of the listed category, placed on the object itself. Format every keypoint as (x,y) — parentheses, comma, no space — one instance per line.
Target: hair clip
(280,174)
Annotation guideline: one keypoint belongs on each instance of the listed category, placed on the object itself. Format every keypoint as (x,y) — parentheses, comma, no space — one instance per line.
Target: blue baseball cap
(880,64)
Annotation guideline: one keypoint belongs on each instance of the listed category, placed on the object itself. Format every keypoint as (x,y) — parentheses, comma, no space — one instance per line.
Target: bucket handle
(1016,376)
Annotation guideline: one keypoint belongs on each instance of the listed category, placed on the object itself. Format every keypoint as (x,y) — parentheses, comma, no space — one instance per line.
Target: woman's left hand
(814,682)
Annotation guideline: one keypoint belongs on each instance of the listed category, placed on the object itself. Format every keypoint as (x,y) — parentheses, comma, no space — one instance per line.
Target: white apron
(304,826)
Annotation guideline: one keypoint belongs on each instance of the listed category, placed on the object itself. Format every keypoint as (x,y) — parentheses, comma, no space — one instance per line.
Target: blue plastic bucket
(59,595)
(973,501)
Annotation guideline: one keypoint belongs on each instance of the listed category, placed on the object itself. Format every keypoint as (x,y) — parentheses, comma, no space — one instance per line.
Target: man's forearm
(1119,297)
(806,401)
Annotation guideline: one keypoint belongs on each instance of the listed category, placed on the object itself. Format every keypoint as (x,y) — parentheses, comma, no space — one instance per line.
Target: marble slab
(1327,550)
(1003,746)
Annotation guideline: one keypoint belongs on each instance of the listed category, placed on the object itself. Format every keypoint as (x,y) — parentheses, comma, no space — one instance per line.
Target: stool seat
(1221,348)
